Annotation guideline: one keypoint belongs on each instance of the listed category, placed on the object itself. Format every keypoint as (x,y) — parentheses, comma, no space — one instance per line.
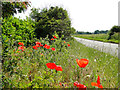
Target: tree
(113,30)
(51,20)
(96,32)
(9,8)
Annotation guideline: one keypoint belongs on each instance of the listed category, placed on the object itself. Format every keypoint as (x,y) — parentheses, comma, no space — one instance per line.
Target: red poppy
(97,84)
(21,48)
(58,68)
(52,39)
(68,45)
(75,83)
(35,47)
(46,46)
(54,36)
(79,85)
(64,42)
(53,49)
(21,43)
(41,45)
(51,65)
(38,43)
(82,62)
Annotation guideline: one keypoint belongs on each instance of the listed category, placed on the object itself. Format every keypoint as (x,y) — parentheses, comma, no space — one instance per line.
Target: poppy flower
(51,65)
(35,47)
(21,43)
(58,68)
(68,45)
(46,46)
(54,36)
(97,84)
(53,49)
(21,48)
(41,45)
(52,39)
(79,85)
(82,62)
(64,42)
(38,43)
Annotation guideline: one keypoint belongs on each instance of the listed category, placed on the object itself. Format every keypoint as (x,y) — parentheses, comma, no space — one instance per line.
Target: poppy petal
(51,65)
(58,68)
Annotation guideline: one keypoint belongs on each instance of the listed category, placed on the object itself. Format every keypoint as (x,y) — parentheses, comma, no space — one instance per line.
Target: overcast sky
(85,15)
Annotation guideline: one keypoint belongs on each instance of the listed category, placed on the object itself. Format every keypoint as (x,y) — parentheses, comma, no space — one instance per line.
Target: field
(100,37)
(26,67)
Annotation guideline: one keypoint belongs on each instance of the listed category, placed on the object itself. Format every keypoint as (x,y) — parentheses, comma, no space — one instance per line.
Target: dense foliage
(50,20)
(9,8)
(113,30)
(15,30)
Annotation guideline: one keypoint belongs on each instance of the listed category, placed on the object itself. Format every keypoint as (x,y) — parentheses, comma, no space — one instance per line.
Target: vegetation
(30,61)
(26,68)
(113,30)
(50,20)
(9,8)
(100,37)
(95,32)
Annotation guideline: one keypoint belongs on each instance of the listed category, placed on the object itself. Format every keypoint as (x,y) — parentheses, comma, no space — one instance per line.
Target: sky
(85,15)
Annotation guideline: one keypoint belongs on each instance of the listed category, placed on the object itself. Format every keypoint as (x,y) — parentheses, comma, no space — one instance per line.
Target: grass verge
(100,37)
(28,69)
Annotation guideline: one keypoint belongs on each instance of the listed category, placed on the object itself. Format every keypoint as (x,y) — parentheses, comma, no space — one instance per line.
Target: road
(101,46)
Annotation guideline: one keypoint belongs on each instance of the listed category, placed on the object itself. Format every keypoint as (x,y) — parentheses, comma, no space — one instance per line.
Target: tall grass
(27,69)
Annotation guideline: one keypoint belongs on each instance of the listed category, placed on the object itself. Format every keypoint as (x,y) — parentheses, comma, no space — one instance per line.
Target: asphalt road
(101,46)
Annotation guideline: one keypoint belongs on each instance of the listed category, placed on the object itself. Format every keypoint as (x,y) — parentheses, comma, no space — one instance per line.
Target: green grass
(99,37)
(17,67)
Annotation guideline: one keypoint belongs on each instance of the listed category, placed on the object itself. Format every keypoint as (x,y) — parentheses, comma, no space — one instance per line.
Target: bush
(15,30)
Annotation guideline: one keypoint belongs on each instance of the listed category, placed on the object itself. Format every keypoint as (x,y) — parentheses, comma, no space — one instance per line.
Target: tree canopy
(51,20)
(114,29)
(9,8)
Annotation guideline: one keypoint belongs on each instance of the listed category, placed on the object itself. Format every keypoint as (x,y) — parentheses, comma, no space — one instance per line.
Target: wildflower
(21,48)
(35,47)
(52,39)
(58,68)
(46,46)
(41,45)
(54,36)
(53,49)
(68,45)
(21,43)
(79,85)
(82,62)
(51,65)
(64,42)
(97,84)
(38,43)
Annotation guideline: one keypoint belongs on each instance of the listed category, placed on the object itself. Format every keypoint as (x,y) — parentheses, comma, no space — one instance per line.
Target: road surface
(101,46)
